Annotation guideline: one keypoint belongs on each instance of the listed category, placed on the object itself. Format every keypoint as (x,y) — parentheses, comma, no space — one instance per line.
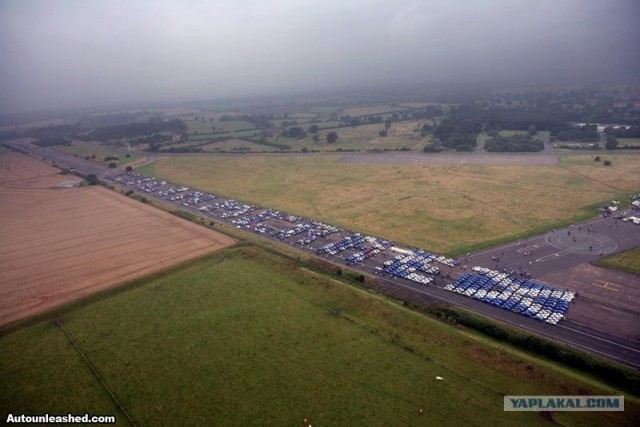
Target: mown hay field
(59,245)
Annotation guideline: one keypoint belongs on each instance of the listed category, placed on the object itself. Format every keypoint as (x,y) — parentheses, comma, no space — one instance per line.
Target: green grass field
(206,126)
(444,208)
(628,261)
(244,337)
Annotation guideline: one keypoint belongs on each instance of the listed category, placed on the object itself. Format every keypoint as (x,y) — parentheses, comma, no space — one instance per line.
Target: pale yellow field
(437,207)
(59,245)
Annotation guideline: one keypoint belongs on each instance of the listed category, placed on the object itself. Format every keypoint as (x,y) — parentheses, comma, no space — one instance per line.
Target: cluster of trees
(294,132)
(513,144)
(587,133)
(631,132)
(612,142)
(136,130)
(459,132)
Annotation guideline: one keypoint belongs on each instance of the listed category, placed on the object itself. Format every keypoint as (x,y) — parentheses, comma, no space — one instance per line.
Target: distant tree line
(47,142)
(631,132)
(136,130)
(294,132)
(587,133)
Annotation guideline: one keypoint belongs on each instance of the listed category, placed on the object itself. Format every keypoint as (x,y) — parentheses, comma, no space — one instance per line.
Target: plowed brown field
(58,245)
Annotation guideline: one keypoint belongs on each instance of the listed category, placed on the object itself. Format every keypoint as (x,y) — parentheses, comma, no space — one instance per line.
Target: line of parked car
(261,220)
(522,296)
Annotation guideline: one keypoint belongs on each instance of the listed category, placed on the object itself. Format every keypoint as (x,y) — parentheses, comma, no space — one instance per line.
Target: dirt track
(62,244)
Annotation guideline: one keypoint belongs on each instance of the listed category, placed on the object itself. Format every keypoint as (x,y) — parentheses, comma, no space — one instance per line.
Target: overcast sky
(68,53)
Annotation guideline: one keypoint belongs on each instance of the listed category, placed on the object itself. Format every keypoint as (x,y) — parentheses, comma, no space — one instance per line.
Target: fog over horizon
(72,53)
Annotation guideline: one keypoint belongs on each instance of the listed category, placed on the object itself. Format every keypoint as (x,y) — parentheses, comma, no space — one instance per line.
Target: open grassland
(59,245)
(244,337)
(84,149)
(235,125)
(628,261)
(444,208)
(206,126)
(621,175)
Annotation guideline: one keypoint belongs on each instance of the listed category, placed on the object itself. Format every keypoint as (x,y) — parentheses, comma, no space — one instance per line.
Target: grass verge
(628,261)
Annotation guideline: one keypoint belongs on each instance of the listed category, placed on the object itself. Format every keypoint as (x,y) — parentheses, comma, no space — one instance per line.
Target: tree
(332,137)
(294,132)
(313,129)
(316,138)
(383,133)
(612,142)
(92,179)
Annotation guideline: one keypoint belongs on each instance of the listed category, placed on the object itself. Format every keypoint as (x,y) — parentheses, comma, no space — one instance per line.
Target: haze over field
(62,53)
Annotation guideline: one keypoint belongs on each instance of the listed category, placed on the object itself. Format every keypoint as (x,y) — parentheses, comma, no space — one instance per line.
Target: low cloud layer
(68,53)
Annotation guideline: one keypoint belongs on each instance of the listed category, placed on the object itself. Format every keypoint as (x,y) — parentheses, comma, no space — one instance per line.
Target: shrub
(607,163)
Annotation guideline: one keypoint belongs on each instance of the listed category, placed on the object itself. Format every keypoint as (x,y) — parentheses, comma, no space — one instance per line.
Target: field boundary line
(58,323)
(591,178)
